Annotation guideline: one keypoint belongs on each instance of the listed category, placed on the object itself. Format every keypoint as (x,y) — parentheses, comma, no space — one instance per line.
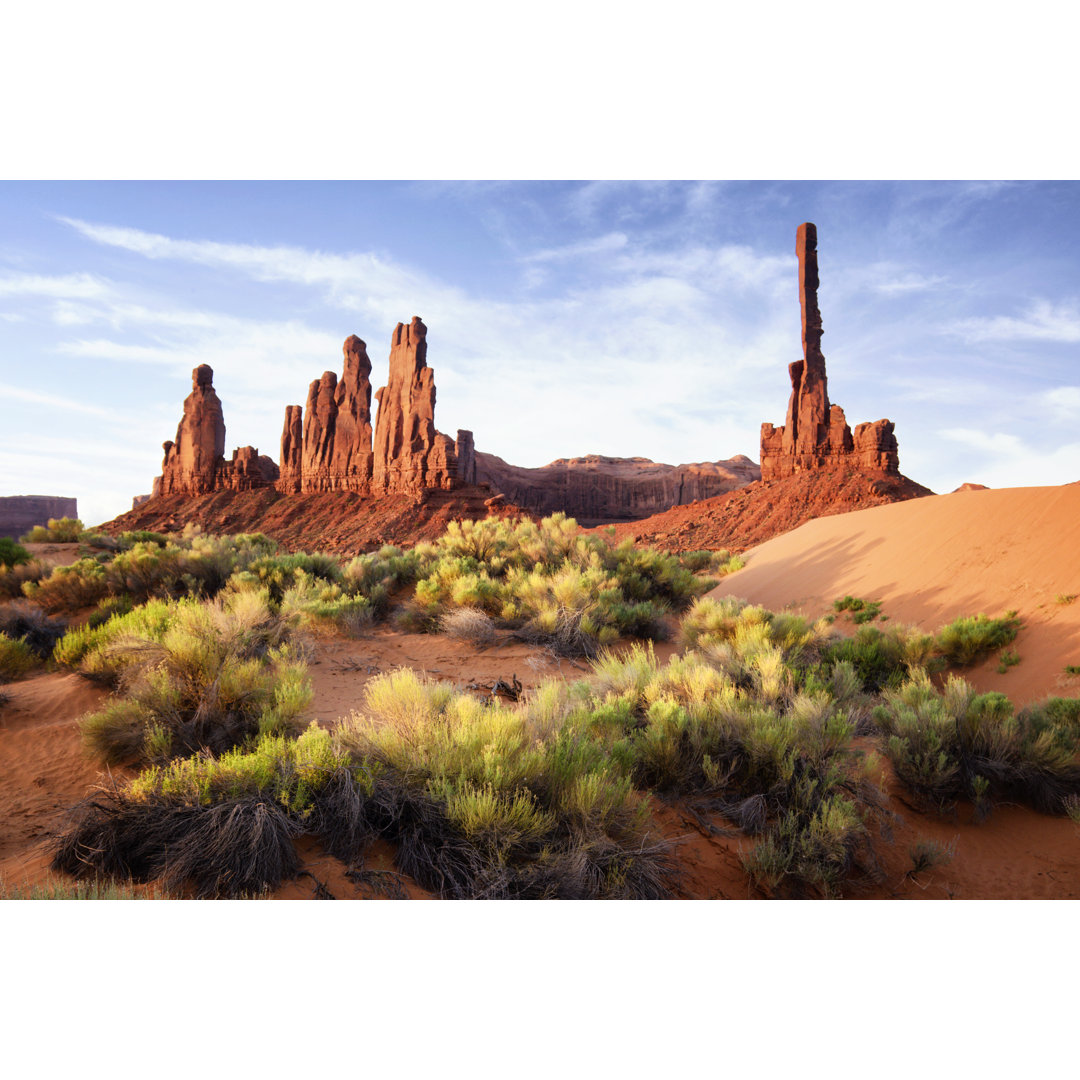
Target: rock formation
(192,461)
(599,490)
(195,463)
(328,444)
(409,453)
(816,434)
(20,513)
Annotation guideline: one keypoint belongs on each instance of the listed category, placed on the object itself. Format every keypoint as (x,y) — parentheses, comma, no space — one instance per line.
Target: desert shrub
(14,578)
(967,639)
(197,696)
(63,530)
(281,572)
(318,603)
(485,801)
(378,574)
(69,588)
(883,658)
(16,658)
(12,554)
(862,611)
(742,734)
(720,562)
(468,624)
(955,744)
(1072,669)
(24,620)
(132,537)
(570,591)
(1065,598)
(1006,660)
(100,649)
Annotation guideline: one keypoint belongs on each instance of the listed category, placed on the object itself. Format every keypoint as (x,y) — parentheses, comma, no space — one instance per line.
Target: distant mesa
(816,434)
(598,490)
(20,513)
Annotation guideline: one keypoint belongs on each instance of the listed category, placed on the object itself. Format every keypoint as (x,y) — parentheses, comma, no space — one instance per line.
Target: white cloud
(58,286)
(33,397)
(1043,321)
(601,245)
(1062,403)
(1006,460)
(909,282)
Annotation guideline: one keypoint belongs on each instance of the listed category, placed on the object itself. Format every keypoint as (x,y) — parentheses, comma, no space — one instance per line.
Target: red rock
(596,490)
(292,450)
(816,434)
(410,455)
(191,462)
(195,463)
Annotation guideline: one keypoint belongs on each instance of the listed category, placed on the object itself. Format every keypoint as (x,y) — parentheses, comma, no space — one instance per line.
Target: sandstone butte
(330,445)
(812,466)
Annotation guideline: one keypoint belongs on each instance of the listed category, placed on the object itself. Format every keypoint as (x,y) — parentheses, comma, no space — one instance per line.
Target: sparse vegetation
(16,658)
(966,640)
(862,611)
(548,796)
(1006,660)
(63,530)
(1066,598)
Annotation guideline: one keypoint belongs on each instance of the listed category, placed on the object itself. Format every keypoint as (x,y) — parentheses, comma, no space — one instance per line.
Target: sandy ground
(934,559)
(928,561)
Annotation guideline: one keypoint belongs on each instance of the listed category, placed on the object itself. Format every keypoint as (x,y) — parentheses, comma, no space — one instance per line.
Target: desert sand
(934,559)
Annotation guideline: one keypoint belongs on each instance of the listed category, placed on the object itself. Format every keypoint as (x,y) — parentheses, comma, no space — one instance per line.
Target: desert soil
(928,561)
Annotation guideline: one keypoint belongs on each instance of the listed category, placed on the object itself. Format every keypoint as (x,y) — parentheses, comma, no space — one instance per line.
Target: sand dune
(933,559)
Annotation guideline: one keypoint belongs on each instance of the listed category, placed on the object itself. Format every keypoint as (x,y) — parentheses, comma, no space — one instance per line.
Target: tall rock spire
(815,434)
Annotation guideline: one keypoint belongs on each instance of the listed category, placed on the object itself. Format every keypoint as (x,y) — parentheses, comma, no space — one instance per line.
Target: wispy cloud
(599,246)
(909,283)
(51,401)
(1043,321)
(1062,404)
(1006,460)
(73,286)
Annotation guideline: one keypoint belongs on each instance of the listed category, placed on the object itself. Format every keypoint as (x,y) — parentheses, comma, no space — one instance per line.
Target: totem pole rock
(816,434)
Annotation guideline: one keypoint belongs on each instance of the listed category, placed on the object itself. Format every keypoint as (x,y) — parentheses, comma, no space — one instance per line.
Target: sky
(649,318)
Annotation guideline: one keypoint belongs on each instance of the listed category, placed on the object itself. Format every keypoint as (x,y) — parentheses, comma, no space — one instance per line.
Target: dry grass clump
(468,624)
(968,639)
(24,620)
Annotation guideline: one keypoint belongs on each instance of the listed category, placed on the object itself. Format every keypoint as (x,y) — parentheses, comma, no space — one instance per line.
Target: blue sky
(648,318)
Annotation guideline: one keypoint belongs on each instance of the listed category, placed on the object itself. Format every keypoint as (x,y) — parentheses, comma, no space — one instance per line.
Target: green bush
(16,658)
(12,554)
(968,639)
(956,744)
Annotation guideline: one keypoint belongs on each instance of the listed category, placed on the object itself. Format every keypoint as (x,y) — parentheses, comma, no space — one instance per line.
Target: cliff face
(815,434)
(597,490)
(195,463)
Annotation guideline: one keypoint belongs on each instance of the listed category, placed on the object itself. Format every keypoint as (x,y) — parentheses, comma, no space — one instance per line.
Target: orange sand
(933,559)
